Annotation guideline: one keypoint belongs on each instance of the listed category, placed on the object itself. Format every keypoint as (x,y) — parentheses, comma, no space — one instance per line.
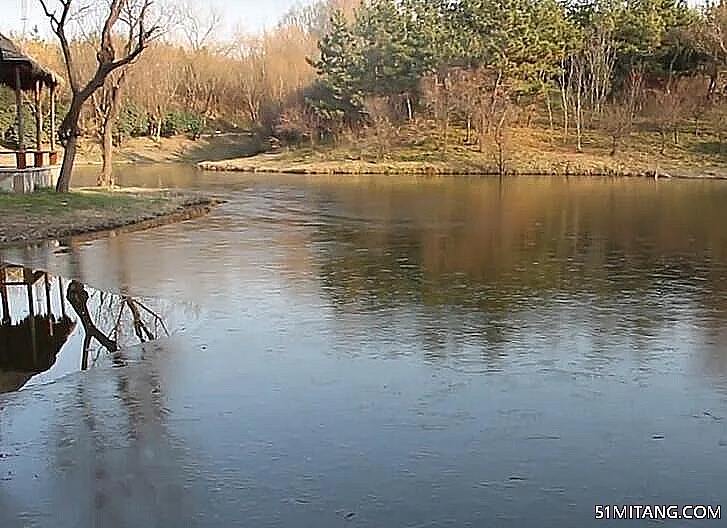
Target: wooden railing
(21,158)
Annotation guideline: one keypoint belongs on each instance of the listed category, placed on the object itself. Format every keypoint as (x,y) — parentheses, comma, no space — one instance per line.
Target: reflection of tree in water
(111,436)
(124,468)
(146,324)
(36,324)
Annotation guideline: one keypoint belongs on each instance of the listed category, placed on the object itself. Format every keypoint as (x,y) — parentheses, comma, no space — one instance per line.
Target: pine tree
(337,100)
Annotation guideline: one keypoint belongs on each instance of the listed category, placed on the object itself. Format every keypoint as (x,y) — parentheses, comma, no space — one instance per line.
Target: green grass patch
(50,202)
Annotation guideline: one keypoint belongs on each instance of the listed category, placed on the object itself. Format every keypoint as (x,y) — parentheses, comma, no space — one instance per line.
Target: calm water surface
(388,352)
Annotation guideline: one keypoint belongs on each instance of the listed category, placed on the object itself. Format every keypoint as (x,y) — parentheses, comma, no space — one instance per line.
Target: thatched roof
(30,70)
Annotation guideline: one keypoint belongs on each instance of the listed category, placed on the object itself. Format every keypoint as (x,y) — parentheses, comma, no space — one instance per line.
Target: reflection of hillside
(475,272)
(486,242)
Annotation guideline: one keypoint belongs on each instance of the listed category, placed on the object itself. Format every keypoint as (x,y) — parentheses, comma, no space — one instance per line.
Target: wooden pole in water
(48,308)
(63,298)
(28,278)
(4,295)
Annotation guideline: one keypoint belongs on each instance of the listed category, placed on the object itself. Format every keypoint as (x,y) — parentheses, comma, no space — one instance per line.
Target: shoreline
(85,214)
(274,164)
(532,152)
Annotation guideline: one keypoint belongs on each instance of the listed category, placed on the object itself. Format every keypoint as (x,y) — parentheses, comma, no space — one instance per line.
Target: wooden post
(38,157)
(52,117)
(38,116)
(28,279)
(63,298)
(48,307)
(21,124)
(4,295)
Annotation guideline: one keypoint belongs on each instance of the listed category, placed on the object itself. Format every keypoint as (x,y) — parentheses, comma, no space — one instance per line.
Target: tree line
(480,64)
(338,68)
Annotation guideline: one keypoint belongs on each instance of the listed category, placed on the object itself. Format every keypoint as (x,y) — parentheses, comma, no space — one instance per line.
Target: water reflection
(420,353)
(40,316)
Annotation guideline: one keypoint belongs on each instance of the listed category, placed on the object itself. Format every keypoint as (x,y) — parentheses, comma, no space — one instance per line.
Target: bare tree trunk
(564,99)
(109,111)
(579,109)
(105,179)
(501,140)
(483,126)
(493,102)
(158,131)
(69,134)
(550,109)
(445,139)
(69,157)
(78,297)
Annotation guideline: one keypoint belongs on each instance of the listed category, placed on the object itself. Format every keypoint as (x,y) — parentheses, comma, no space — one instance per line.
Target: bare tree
(600,59)
(501,132)
(106,109)
(106,101)
(466,92)
(199,27)
(437,93)
(380,125)
(719,114)
(574,94)
(618,116)
(668,106)
(108,62)
(697,101)
(665,106)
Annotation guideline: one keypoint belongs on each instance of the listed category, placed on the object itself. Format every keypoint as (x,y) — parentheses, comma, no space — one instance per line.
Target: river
(387,352)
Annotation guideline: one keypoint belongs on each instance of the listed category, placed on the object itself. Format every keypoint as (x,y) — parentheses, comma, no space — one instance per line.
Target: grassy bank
(534,150)
(48,215)
(177,149)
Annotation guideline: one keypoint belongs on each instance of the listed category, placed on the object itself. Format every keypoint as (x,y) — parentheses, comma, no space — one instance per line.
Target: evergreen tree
(397,48)
(337,99)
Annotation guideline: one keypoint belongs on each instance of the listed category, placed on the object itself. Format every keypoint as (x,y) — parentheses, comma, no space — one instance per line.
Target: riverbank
(47,215)
(177,149)
(527,151)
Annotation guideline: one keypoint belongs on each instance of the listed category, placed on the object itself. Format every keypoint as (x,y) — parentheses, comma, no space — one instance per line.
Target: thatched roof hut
(21,72)
(31,72)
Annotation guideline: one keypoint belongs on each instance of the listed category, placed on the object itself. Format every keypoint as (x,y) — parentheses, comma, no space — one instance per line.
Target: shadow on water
(45,317)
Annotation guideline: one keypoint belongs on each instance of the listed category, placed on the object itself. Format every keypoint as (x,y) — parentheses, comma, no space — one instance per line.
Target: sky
(250,15)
